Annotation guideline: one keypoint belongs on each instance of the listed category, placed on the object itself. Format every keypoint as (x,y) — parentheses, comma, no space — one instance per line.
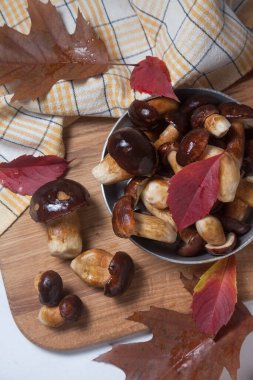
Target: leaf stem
(122,64)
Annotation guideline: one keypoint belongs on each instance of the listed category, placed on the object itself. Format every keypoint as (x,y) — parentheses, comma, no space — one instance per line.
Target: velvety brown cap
(56,198)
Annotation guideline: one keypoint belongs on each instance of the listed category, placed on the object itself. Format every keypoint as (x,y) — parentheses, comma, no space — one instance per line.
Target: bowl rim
(132,238)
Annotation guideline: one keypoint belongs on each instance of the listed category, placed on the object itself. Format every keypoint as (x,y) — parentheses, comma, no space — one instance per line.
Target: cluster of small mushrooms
(161,137)
(57,204)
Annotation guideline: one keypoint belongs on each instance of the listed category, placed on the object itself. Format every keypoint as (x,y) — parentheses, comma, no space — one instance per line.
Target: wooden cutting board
(23,254)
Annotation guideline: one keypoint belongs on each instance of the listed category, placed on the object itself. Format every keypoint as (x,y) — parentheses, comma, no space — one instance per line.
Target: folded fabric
(203,43)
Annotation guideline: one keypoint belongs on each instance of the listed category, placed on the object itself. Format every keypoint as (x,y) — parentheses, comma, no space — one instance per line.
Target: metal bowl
(112,193)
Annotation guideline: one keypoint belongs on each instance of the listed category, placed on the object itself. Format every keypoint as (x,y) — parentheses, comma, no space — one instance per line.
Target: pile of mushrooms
(164,137)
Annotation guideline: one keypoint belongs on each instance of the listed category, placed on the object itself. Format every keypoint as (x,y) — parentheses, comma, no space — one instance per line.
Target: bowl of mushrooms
(155,140)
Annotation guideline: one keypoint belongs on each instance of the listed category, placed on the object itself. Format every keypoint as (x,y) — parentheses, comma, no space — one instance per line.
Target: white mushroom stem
(245,192)
(229,178)
(108,172)
(217,125)
(156,193)
(150,227)
(172,159)
(211,230)
(64,239)
(211,151)
(165,215)
(237,209)
(170,134)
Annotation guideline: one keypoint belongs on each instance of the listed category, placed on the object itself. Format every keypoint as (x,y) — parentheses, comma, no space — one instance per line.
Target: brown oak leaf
(178,351)
(49,53)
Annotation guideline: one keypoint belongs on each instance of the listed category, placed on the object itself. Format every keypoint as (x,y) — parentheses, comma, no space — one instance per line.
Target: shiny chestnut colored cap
(133,151)
(57,198)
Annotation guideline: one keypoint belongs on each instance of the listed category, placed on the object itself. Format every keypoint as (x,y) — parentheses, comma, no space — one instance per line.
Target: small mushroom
(121,269)
(225,248)
(192,244)
(207,116)
(192,146)
(50,287)
(245,192)
(92,266)
(126,222)
(195,101)
(156,193)
(132,151)
(163,105)
(99,268)
(56,204)
(69,310)
(135,187)
(211,230)
(237,209)
(233,225)
(233,110)
(143,115)
(169,135)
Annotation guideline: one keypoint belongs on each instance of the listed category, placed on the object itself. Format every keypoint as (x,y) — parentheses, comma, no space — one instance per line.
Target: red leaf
(215,296)
(152,77)
(26,174)
(193,191)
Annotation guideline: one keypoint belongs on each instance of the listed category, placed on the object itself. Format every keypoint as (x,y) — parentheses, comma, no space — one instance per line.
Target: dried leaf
(178,351)
(152,76)
(26,174)
(193,191)
(49,53)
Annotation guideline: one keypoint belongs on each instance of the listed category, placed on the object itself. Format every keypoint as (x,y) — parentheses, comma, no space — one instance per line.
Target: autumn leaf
(178,350)
(152,76)
(49,53)
(193,191)
(25,174)
(215,296)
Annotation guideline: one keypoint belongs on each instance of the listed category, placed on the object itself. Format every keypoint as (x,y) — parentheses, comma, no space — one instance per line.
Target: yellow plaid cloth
(203,42)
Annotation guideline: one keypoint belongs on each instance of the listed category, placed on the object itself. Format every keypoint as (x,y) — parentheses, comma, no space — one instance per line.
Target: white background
(22,360)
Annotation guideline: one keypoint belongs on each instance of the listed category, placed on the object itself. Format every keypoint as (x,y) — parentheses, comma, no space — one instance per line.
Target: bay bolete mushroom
(50,287)
(56,204)
(130,153)
(99,268)
(208,116)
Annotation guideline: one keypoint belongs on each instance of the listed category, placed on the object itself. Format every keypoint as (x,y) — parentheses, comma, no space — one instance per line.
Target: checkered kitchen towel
(204,43)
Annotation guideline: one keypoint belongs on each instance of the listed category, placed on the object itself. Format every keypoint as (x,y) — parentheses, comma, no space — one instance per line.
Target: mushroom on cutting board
(56,204)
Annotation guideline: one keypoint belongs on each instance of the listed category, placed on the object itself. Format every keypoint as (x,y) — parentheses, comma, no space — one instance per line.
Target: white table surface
(20,359)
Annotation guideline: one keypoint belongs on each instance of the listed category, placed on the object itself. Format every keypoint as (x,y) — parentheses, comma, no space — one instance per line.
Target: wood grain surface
(23,254)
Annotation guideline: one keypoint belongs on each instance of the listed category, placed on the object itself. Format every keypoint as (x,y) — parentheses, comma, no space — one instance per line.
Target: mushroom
(225,248)
(156,192)
(192,146)
(69,310)
(135,187)
(211,230)
(195,101)
(50,287)
(233,110)
(163,105)
(177,125)
(132,151)
(191,244)
(229,178)
(99,268)
(237,209)
(236,141)
(168,152)
(208,116)
(143,115)
(126,222)
(233,225)
(56,204)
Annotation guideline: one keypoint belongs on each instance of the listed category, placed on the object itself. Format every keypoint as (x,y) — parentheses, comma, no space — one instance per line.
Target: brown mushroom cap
(192,146)
(233,110)
(133,151)
(143,115)
(123,217)
(57,198)
(196,101)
